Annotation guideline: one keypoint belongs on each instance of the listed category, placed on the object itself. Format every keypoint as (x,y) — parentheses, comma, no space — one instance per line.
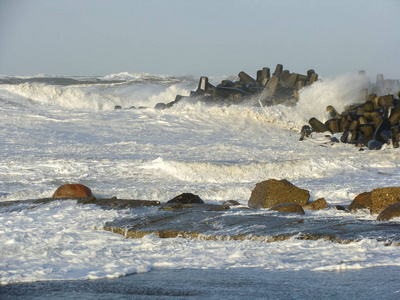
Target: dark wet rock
(316,204)
(72,191)
(117,107)
(305,132)
(383,197)
(288,208)
(160,106)
(280,88)
(390,212)
(114,202)
(373,122)
(186,198)
(231,203)
(382,133)
(361,201)
(317,125)
(340,207)
(268,193)
(105,203)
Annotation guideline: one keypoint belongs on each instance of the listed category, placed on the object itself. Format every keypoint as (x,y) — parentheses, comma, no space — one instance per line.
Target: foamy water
(53,134)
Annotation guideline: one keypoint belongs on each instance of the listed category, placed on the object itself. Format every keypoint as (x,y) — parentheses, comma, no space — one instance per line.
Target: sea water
(58,130)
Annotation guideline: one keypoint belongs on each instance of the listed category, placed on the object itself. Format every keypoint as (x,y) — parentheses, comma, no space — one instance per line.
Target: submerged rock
(390,212)
(271,192)
(72,191)
(288,208)
(230,203)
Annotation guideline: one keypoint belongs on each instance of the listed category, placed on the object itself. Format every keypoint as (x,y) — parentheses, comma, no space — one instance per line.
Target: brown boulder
(383,197)
(72,191)
(289,208)
(268,193)
(316,205)
(390,212)
(361,201)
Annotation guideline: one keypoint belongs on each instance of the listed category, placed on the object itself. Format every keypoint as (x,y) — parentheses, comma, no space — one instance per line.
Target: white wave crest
(91,97)
(253,172)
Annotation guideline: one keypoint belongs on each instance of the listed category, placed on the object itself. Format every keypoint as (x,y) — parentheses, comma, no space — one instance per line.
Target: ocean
(58,130)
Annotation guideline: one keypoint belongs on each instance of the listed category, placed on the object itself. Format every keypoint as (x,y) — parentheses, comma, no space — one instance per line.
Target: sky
(210,38)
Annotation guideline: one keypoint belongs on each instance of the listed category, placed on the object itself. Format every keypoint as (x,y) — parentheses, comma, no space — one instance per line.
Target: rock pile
(373,122)
(280,87)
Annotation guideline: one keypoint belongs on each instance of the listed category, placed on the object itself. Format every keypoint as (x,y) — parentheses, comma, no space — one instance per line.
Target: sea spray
(339,92)
(139,90)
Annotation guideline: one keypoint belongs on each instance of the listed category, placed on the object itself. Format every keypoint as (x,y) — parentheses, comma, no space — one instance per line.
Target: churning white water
(52,134)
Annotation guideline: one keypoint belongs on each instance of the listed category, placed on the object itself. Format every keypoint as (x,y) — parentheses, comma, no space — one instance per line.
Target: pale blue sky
(97,37)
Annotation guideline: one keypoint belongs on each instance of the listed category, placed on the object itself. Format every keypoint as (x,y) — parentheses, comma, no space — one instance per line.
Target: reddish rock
(72,191)
(383,197)
(390,212)
(361,201)
(316,205)
(288,208)
(271,192)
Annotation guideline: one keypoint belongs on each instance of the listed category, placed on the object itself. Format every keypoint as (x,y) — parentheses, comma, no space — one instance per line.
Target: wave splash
(146,90)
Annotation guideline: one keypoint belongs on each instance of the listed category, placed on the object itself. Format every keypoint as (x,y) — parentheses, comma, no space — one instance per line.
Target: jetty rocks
(372,123)
(281,87)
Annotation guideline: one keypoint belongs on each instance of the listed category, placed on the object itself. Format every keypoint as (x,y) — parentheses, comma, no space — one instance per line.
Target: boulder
(186,198)
(305,132)
(316,205)
(160,106)
(390,212)
(230,203)
(361,201)
(72,191)
(383,197)
(318,126)
(271,192)
(288,208)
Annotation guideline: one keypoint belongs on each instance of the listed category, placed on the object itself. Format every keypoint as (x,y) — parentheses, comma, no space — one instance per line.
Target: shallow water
(236,283)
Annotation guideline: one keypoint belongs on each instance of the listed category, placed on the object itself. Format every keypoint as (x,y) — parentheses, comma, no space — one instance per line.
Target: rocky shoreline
(276,211)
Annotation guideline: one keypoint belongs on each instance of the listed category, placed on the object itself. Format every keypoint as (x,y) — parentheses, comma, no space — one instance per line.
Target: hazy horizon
(191,38)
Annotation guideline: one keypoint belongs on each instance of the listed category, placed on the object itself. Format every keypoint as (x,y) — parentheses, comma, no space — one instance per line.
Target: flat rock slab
(105,203)
(220,222)
(217,222)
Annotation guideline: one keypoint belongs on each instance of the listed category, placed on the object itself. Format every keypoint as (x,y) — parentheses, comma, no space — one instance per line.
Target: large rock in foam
(383,197)
(361,201)
(271,192)
(186,198)
(316,204)
(72,191)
